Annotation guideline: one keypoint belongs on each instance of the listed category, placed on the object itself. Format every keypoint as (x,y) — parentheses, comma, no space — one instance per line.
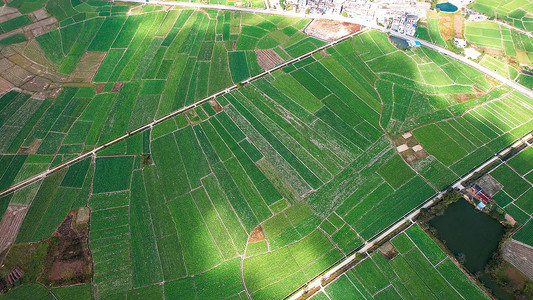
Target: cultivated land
(412,267)
(518,13)
(516,196)
(304,157)
(506,49)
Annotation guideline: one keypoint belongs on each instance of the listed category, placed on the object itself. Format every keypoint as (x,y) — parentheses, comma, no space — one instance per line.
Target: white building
(472,53)
(460,43)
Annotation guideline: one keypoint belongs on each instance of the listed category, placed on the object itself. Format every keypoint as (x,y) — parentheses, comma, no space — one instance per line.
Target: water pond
(400,43)
(446,7)
(472,236)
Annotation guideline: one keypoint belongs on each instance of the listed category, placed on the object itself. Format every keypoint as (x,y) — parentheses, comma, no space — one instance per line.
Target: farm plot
(282,181)
(516,197)
(512,12)
(465,142)
(410,273)
(498,40)
(142,49)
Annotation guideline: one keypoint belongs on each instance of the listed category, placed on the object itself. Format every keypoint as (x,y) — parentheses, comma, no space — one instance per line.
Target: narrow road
(513,28)
(316,283)
(83,156)
(512,84)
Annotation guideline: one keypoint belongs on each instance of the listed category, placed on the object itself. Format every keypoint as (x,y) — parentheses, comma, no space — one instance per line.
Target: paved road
(513,28)
(512,84)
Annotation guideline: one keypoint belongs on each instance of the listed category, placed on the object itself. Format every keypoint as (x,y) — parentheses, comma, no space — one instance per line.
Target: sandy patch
(331,30)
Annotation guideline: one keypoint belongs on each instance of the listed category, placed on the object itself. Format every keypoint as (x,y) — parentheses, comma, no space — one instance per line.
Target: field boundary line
(168,116)
(316,282)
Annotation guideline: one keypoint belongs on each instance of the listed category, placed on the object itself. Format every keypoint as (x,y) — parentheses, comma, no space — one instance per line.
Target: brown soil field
(458,23)
(268,59)
(324,53)
(215,105)
(71,260)
(331,30)
(445,26)
(256,235)
(118,86)
(10,224)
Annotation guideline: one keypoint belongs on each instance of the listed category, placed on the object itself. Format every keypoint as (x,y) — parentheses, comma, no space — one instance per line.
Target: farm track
(386,233)
(177,112)
(514,85)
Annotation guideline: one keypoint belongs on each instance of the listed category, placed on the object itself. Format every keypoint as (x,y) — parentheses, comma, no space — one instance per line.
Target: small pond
(447,7)
(399,42)
(473,236)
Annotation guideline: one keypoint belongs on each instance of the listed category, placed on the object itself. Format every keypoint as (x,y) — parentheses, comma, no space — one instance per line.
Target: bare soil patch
(257,235)
(99,87)
(388,250)
(331,30)
(268,59)
(87,67)
(445,25)
(71,260)
(462,97)
(30,149)
(118,86)
(458,22)
(10,224)
(215,105)
(410,155)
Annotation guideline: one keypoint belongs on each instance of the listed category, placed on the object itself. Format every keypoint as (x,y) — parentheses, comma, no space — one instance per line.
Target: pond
(447,7)
(400,43)
(473,237)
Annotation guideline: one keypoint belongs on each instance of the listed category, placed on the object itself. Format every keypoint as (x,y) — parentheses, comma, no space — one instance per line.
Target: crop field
(419,270)
(506,50)
(500,41)
(516,197)
(168,59)
(257,191)
(512,12)
(465,142)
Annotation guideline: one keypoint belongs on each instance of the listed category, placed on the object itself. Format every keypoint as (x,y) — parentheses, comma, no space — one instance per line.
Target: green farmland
(419,270)
(516,13)
(516,196)
(500,41)
(255,192)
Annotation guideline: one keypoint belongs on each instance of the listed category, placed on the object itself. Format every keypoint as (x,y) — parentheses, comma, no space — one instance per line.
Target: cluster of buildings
(399,15)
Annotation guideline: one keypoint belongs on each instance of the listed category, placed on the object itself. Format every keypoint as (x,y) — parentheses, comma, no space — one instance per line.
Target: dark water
(446,7)
(399,42)
(472,235)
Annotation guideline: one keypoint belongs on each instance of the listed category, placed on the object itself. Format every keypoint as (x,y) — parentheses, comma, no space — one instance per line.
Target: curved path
(512,84)
(85,155)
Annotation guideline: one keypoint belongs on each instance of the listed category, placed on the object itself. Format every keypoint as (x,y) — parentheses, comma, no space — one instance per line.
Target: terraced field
(419,270)
(257,191)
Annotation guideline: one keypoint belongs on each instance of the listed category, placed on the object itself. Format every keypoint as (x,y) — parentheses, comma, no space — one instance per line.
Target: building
(472,53)
(414,44)
(460,43)
(480,194)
